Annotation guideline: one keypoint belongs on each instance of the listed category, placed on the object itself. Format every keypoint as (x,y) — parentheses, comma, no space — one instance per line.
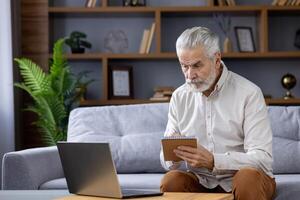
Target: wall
(6,82)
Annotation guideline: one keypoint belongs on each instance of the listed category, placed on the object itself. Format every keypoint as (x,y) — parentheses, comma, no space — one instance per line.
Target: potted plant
(76,42)
(54,94)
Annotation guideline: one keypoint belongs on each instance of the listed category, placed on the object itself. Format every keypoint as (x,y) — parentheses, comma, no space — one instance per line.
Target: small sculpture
(116,42)
(288,81)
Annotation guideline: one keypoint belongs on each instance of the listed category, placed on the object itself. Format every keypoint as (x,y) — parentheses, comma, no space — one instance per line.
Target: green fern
(34,77)
(51,94)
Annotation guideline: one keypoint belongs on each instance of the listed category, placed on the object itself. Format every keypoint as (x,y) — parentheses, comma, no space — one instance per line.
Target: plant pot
(79,50)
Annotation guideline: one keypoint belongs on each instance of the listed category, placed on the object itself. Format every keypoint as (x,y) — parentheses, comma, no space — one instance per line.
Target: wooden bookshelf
(262,14)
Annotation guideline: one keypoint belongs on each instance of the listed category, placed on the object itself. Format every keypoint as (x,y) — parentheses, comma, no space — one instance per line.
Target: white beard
(199,85)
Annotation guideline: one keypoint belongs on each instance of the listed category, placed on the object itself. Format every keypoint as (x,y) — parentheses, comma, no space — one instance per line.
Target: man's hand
(196,157)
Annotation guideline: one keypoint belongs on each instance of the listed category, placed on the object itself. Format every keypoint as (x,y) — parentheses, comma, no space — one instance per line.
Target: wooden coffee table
(166,196)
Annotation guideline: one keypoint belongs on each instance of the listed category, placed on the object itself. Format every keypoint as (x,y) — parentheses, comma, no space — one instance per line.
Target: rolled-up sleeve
(171,130)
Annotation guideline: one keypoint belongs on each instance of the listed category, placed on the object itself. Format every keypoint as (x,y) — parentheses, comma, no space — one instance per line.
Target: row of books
(222,3)
(147,39)
(162,94)
(286,3)
(90,3)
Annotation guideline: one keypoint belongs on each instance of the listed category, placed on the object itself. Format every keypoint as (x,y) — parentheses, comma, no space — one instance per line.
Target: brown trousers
(247,184)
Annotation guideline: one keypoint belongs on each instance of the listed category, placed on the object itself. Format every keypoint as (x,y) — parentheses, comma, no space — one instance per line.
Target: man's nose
(191,73)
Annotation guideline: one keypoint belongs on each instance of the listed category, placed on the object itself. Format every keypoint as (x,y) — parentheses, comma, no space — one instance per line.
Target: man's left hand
(196,157)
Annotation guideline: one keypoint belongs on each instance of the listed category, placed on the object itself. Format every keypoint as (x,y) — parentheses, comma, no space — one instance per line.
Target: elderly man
(228,116)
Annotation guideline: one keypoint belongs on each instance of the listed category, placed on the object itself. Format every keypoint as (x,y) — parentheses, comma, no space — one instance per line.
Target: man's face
(200,71)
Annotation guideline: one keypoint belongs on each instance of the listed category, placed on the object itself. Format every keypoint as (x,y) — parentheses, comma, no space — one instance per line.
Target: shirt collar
(222,78)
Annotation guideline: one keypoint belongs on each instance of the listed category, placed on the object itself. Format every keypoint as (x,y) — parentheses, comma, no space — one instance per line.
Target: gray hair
(199,37)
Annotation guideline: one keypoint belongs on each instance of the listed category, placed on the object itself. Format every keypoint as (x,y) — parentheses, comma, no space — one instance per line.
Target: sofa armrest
(28,169)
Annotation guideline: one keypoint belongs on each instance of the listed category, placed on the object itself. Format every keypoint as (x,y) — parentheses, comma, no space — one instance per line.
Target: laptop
(89,170)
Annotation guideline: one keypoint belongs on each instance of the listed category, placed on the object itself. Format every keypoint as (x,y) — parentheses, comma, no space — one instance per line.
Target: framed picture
(121,82)
(244,38)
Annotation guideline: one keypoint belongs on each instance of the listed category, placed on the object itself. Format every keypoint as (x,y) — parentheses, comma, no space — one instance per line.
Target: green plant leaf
(59,61)
(34,77)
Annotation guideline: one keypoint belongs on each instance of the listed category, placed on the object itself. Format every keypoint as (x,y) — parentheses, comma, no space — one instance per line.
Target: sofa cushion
(285,122)
(133,131)
(56,184)
(127,181)
(287,186)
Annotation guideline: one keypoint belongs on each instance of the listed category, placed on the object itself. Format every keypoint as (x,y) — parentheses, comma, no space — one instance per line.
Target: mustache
(193,81)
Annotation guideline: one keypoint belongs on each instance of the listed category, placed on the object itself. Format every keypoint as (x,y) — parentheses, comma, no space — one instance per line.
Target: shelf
(100,10)
(117,102)
(275,54)
(282,102)
(100,56)
(119,9)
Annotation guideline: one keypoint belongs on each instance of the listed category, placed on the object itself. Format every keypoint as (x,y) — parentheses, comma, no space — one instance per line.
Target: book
(171,143)
(88,3)
(233,2)
(293,3)
(282,2)
(160,98)
(228,2)
(150,37)
(275,2)
(221,3)
(210,2)
(144,41)
(94,3)
(163,88)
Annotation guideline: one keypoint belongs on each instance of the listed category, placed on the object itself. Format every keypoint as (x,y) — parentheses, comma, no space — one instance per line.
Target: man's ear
(218,60)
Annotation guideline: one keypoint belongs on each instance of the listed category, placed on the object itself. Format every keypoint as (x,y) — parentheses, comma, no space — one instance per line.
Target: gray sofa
(134,134)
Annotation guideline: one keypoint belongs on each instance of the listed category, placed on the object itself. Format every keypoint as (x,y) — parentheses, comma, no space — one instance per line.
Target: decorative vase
(227,46)
(288,81)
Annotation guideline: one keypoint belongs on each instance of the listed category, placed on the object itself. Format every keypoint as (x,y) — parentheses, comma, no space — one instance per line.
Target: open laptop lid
(89,169)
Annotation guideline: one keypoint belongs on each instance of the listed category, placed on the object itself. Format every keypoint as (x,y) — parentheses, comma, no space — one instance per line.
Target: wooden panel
(105,78)
(34,45)
(158,31)
(263,30)
(34,29)
(34,36)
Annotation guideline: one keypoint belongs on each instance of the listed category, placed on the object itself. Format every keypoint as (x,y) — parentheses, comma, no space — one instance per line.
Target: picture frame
(245,40)
(120,82)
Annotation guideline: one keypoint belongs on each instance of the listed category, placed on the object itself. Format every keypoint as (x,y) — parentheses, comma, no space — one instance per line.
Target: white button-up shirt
(232,123)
